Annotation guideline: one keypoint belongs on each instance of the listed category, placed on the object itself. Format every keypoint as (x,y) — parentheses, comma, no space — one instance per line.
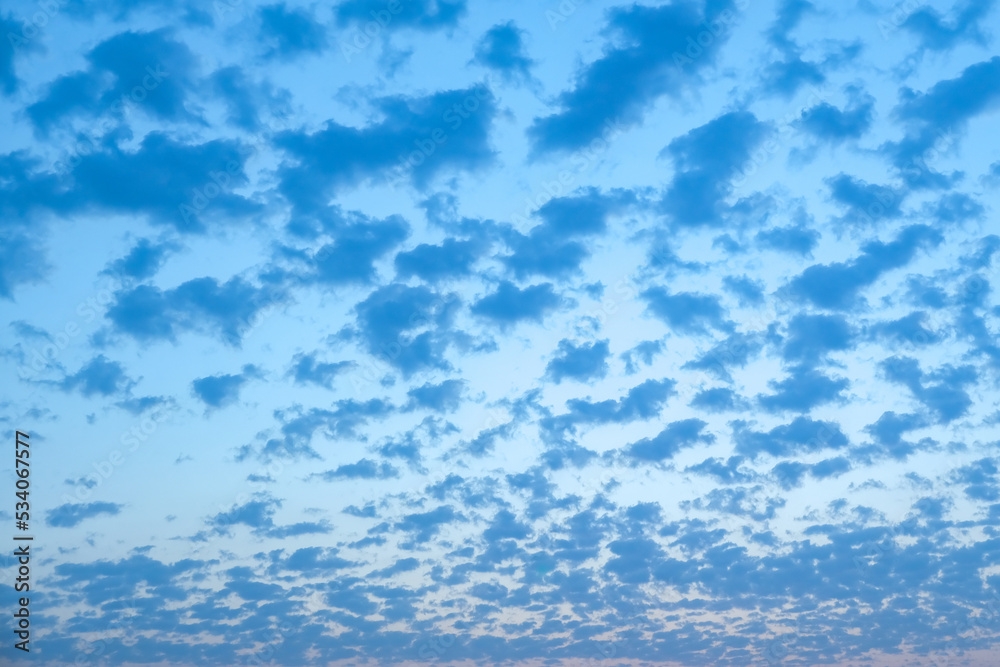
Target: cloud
(937,34)
(686,312)
(247,102)
(735,351)
(801,436)
(451,259)
(557,248)
(417,138)
(509,304)
(802,390)
(644,352)
(837,286)
(797,240)
(70,515)
(648,56)
(289,33)
(180,185)
(943,111)
(228,310)
(942,391)
(99,377)
(217,391)
(407,327)
(707,159)
(306,369)
(423,526)
(676,436)
(720,399)
(426,15)
(579,362)
(148,71)
(812,337)
(827,123)
(21,262)
(349,258)
(443,397)
(501,49)
(749,292)
(143,260)
(363,469)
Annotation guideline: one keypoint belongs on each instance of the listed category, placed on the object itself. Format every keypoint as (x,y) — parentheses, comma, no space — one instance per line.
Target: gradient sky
(562,333)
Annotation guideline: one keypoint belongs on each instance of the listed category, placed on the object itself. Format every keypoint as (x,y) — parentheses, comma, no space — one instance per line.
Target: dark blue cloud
(812,337)
(424,525)
(937,34)
(727,472)
(736,351)
(837,286)
(350,256)
(177,184)
(941,112)
(143,260)
(556,248)
(644,352)
(908,330)
(867,204)
(217,391)
(707,159)
(363,469)
(21,261)
(452,258)
(888,430)
(99,377)
(416,138)
(416,14)
(652,57)
(288,33)
(248,103)
(802,436)
(798,240)
(802,390)
(676,436)
(720,399)
(148,71)
(407,327)
(229,310)
(748,292)
(828,123)
(502,49)
(942,391)
(687,312)
(834,467)
(71,515)
(579,362)
(443,397)
(510,304)
(954,208)
(298,426)
(306,369)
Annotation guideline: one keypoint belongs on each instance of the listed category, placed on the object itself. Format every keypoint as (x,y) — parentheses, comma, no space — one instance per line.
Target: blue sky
(504,332)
